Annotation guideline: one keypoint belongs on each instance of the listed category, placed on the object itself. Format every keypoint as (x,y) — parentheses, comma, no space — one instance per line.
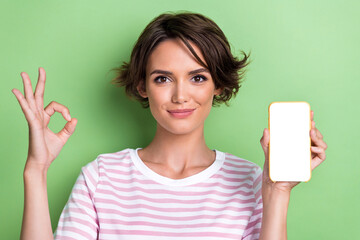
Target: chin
(180,128)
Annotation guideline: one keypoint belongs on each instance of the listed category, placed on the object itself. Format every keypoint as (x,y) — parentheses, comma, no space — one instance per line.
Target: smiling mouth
(181,110)
(181,113)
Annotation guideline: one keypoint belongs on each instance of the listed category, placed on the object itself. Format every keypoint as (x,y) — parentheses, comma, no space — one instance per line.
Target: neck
(178,152)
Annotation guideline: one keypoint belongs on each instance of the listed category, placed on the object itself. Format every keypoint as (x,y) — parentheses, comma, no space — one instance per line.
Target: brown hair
(226,70)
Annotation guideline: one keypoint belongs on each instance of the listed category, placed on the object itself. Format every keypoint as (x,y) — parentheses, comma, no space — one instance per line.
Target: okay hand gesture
(44,145)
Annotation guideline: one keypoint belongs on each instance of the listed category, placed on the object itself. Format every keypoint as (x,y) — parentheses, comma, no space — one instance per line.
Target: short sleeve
(252,230)
(79,219)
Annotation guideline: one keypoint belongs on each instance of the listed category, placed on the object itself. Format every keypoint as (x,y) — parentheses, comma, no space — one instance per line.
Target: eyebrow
(170,73)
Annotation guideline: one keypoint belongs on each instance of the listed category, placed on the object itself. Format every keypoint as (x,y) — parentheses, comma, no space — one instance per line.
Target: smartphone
(289,146)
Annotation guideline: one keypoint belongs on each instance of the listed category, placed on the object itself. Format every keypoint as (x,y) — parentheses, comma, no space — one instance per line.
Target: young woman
(176,187)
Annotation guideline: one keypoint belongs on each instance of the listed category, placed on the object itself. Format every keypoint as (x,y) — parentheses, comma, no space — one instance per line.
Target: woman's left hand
(318,147)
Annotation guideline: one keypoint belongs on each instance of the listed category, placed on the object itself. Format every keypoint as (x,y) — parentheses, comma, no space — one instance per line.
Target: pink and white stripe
(117,196)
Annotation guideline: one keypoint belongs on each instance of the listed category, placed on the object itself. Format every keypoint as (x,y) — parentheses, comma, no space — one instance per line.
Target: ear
(142,89)
(218,91)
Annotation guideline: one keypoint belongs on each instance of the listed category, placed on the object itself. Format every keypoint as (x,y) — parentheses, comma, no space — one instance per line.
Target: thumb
(68,130)
(265,141)
(265,145)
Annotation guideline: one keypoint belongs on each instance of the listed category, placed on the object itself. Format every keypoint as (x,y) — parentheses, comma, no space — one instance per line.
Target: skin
(44,147)
(178,144)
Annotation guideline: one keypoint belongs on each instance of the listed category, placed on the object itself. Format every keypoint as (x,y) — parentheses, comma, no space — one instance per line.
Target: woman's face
(179,89)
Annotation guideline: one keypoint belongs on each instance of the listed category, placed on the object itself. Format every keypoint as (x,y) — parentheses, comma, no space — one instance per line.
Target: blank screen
(289,149)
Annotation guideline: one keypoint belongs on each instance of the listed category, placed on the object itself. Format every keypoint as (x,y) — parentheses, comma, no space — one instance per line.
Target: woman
(176,187)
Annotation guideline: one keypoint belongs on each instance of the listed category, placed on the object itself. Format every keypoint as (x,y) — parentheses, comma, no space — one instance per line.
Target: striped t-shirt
(117,196)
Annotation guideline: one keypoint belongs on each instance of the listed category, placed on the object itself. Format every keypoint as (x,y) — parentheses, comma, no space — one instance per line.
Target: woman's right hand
(44,145)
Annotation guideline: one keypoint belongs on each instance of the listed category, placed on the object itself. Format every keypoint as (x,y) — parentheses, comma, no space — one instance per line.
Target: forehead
(173,54)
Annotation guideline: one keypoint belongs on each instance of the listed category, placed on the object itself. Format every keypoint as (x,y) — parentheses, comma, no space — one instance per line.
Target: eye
(199,78)
(161,79)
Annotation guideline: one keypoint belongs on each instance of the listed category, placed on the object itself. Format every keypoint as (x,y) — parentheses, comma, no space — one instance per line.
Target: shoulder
(107,160)
(238,162)
(241,166)
(121,155)
(250,170)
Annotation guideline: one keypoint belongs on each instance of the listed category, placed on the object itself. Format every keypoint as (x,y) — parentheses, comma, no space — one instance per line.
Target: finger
(312,115)
(317,131)
(318,134)
(29,96)
(316,140)
(40,88)
(56,107)
(315,162)
(264,141)
(320,151)
(265,138)
(68,130)
(321,156)
(29,115)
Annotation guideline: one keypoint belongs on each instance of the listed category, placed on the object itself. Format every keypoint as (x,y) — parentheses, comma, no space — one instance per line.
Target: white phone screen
(289,146)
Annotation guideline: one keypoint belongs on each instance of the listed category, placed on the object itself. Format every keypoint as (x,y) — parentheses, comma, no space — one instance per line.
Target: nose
(180,93)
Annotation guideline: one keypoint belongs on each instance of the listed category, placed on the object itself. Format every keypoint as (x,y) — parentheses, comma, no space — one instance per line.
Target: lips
(181,113)
(181,110)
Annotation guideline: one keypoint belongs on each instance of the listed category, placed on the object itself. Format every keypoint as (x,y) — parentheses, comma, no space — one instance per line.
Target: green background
(300,51)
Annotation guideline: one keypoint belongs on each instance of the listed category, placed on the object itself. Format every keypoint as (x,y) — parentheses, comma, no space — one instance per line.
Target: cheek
(205,96)
(158,96)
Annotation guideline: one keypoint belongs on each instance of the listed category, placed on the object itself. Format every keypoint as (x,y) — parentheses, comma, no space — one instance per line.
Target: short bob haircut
(226,70)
